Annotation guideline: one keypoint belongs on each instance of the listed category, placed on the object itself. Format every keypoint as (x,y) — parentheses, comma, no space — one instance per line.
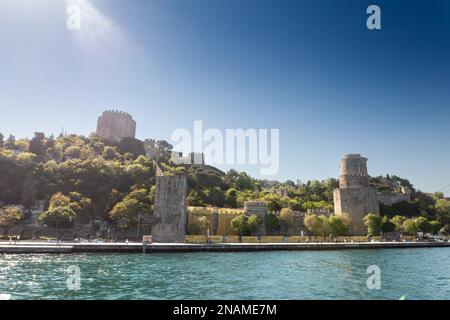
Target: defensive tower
(170,210)
(114,125)
(354,196)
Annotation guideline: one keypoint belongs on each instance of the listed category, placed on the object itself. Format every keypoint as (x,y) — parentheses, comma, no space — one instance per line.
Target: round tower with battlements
(355,197)
(353,171)
(114,125)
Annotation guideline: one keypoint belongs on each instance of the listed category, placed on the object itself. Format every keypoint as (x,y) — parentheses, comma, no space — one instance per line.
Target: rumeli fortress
(354,197)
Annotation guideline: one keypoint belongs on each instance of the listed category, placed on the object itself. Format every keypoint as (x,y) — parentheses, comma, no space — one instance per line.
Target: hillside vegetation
(81,179)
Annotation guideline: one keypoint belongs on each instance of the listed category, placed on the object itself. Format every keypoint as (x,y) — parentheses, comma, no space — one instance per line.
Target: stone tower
(170,210)
(354,196)
(116,125)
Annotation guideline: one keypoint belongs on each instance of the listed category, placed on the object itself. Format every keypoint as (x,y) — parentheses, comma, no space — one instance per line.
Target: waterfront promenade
(68,247)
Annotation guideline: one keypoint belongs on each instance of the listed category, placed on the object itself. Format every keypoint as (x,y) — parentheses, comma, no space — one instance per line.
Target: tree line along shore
(74,180)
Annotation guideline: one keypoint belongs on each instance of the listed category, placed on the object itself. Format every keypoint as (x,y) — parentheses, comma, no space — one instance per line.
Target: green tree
(215,196)
(244,182)
(29,190)
(9,217)
(194,199)
(423,225)
(373,223)
(443,212)
(231,177)
(274,202)
(2,140)
(312,223)
(317,225)
(273,223)
(286,218)
(132,146)
(398,221)
(253,222)
(245,224)
(58,217)
(111,153)
(59,200)
(239,224)
(231,197)
(11,142)
(81,205)
(37,144)
(435,227)
(387,225)
(125,213)
(410,227)
(339,225)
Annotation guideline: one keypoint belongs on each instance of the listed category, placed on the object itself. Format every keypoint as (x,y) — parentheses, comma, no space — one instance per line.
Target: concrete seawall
(30,248)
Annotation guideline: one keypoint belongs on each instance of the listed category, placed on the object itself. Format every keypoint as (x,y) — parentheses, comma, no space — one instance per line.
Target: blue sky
(309,68)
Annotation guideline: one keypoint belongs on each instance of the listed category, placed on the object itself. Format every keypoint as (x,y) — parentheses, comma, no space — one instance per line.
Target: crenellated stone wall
(390,198)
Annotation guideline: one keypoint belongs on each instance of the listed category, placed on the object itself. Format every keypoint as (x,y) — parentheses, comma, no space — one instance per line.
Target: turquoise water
(414,273)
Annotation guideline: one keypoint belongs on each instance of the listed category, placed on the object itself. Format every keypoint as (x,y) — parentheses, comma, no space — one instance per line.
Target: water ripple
(414,273)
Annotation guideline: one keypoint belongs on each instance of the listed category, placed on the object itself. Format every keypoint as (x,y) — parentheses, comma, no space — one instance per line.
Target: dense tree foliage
(245,224)
(317,225)
(373,223)
(9,216)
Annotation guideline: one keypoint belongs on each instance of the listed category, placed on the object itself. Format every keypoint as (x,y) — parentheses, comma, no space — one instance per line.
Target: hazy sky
(309,68)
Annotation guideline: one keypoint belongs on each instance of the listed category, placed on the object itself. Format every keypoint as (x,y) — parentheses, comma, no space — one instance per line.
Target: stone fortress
(114,125)
(354,196)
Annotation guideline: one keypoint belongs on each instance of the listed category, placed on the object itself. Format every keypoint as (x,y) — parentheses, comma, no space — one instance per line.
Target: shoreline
(68,248)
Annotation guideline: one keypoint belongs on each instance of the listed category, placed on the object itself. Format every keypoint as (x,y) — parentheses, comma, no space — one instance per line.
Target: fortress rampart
(391,198)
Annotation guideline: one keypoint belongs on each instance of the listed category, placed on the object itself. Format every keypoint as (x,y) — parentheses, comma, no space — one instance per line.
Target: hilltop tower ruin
(354,196)
(114,125)
(170,210)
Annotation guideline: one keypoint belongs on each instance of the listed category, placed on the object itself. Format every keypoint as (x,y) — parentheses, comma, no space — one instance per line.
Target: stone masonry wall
(389,199)
(356,202)
(115,126)
(170,210)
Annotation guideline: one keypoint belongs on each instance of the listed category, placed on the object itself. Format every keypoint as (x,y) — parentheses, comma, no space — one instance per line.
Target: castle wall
(170,210)
(389,199)
(115,126)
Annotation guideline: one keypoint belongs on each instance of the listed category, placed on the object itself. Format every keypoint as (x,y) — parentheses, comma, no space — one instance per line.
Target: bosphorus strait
(405,273)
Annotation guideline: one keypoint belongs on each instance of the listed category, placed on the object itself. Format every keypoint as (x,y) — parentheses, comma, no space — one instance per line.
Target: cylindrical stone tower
(114,125)
(353,171)
(355,197)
